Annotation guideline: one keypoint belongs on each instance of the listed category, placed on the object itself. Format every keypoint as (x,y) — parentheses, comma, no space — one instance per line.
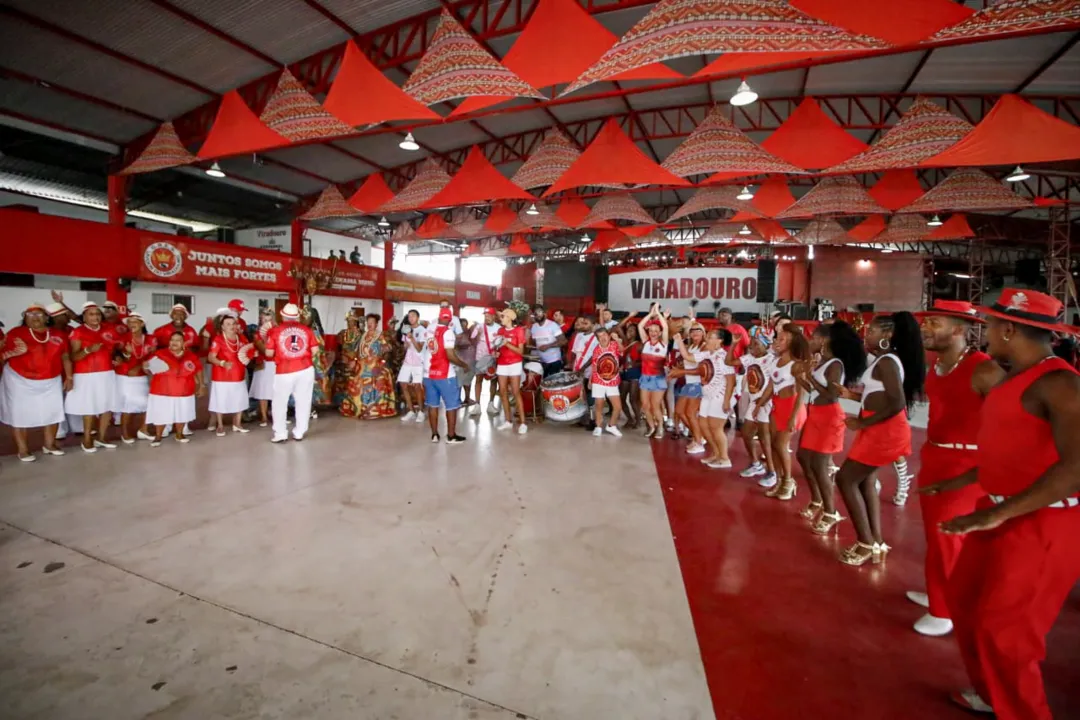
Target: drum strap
(586,354)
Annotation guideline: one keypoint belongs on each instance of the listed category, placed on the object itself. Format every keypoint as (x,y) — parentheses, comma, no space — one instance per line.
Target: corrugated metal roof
(1063,77)
(52,107)
(687,95)
(50,57)
(990,67)
(882,74)
(324,160)
(452,137)
(272,175)
(286,30)
(383,149)
(155,36)
(366,15)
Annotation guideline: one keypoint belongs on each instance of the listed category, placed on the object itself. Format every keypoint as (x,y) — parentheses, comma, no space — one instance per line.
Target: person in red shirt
(59,319)
(229,355)
(94,381)
(291,346)
(132,384)
(440,377)
(606,361)
(113,319)
(740,337)
(1019,560)
(37,370)
(178,316)
(176,378)
(512,339)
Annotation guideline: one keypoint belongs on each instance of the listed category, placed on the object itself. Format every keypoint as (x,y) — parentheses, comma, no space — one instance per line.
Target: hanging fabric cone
(548,162)
(294,113)
(478,181)
(164,151)
(822,231)
(955,228)
(968,189)
(618,207)
(430,178)
(905,23)
(811,139)
(372,195)
(1014,16)
(236,131)
(897,188)
(868,229)
(837,195)
(711,198)
(503,220)
(717,146)
(404,234)
(519,246)
(904,229)
(361,95)
(330,204)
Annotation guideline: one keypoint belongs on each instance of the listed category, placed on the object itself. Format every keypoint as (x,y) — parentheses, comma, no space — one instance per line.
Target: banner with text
(674,289)
(274,239)
(189,262)
(351,280)
(401,287)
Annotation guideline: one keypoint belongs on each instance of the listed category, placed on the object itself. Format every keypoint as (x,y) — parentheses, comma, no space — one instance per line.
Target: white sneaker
(502,424)
(188,431)
(612,430)
(28,458)
(659,433)
(719,465)
(597,431)
(279,438)
(523,429)
(695,449)
(474,410)
(420,416)
(408,416)
(970,700)
(107,446)
(933,626)
(669,423)
(919,598)
(768,480)
(492,409)
(753,471)
(143,436)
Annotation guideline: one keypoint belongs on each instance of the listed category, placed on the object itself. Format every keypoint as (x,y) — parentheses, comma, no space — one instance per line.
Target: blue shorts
(689,390)
(446,390)
(631,375)
(653,383)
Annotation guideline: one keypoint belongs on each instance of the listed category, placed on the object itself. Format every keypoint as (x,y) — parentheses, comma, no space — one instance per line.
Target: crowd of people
(1001,526)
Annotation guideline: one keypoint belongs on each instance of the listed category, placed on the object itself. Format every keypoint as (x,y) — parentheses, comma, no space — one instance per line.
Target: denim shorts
(631,375)
(653,383)
(689,390)
(446,390)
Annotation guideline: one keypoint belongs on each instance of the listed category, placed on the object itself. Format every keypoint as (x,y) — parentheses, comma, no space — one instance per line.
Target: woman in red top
(511,340)
(93,392)
(37,371)
(176,380)
(132,384)
(605,361)
(229,354)
(629,392)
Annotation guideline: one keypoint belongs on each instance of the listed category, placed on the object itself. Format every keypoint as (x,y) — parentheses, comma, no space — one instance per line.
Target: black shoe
(455,440)
(434,437)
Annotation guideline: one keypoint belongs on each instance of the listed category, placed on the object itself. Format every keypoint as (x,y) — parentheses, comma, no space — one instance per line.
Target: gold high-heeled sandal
(880,550)
(788,490)
(775,489)
(826,523)
(810,511)
(858,554)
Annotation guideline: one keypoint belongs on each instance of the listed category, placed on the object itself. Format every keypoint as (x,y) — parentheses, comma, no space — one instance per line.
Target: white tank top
(870,385)
(698,356)
(822,379)
(782,377)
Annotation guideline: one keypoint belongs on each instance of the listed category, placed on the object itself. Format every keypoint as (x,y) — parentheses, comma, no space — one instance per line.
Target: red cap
(491,311)
(952,308)
(446,313)
(237,306)
(1028,307)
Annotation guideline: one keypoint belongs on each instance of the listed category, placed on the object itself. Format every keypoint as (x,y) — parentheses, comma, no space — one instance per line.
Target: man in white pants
(291,346)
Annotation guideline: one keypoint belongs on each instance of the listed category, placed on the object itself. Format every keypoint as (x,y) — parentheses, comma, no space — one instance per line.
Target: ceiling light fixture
(532,210)
(1017,175)
(409,143)
(745,230)
(887,250)
(215,171)
(383,222)
(746,194)
(744,95)
(935,222)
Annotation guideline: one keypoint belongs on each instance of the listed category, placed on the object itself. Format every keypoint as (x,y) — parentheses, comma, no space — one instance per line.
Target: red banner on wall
(192,262)
(351,280)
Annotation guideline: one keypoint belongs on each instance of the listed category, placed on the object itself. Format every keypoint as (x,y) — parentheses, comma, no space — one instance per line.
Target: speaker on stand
(766,280)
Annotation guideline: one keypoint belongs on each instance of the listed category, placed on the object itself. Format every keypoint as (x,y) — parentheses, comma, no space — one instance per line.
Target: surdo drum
(564,397)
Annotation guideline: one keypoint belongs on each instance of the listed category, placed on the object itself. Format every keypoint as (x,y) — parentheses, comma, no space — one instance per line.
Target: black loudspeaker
(766,281)
(1028,271)
(600,284)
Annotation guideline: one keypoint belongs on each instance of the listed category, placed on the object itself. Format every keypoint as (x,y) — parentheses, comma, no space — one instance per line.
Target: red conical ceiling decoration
(612,157)
(404,234)
(968,189)
(502,220)
(773,197)
(237,131)
(868,229)
(727,232)
(294,113)
(711,198)
(811,139)
(904,229)
(551,158)
(903,23)
(435,227)
(838,195)
(955,228)
(329,204)
(1014,132)
(923,131)
(519,246)
(897,188)
(372,195)
(638,231)
(545,218)
(560,41)
(1015,16)
(617,207)
(573,211)
(477,182)
(605,240)
(769,230)
(361,95)
(164,151)
(429,180)
(717,146)
(465,223)
(677,28)
(455,65)
(822,231)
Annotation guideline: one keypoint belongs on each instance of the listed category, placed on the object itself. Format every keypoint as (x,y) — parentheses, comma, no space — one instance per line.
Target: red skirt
(824,431)
(884,443)
(782,408)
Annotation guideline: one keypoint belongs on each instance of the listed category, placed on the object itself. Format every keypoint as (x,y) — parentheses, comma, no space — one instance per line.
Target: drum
(564,397)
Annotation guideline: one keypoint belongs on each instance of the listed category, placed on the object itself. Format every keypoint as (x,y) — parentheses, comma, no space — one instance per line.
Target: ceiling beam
(220,34)
(89,99)
(1058,54)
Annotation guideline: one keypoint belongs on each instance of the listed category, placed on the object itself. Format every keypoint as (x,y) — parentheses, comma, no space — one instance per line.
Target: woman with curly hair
(369,393)
(788,411)
(890,383)
(841,359)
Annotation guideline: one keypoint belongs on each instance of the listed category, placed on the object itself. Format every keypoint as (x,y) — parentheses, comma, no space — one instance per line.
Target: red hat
(446,313)
(1028,307)
(954,309)
(491,311)
(237,306)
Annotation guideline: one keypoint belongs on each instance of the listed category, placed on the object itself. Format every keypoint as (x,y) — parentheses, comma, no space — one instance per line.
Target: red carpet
(787,630)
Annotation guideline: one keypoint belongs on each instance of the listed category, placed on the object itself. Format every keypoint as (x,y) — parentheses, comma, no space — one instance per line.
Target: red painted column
(388,265)
(117,196)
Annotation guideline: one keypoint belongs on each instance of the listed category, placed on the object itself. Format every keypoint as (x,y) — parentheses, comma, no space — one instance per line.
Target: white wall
(13,300)
(318,244)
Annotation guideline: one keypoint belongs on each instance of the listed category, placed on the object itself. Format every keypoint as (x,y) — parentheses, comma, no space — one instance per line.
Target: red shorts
(884,443)
(782,408)
(824,431)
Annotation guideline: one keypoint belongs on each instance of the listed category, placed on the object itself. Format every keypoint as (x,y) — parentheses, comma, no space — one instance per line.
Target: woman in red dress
(132,384)
(788,411)
(894,377)
(94,383)
(511,340)
(229,354)
(176,378)
(605,362)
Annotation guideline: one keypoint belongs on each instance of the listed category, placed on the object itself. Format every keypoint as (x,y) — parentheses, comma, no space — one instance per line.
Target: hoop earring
(883,344)
(1006,338)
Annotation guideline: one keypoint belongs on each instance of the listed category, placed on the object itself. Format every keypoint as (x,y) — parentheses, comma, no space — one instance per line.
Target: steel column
(1058,259)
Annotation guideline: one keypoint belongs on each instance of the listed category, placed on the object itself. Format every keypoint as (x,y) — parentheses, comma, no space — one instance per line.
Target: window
(162,303)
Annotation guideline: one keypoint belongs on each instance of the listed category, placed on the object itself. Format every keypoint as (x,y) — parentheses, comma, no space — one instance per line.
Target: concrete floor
(364,573)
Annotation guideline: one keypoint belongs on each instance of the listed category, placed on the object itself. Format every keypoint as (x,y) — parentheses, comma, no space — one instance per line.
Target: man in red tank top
(1019,560)
(955,385)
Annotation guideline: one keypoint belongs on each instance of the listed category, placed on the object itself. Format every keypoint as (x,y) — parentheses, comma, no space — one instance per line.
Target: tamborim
(564,397)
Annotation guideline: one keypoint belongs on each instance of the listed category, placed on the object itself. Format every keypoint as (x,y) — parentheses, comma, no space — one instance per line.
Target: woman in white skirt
(262,380)
(93,392)
(176,378)
(36,373)
(132,383)
(229,355)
